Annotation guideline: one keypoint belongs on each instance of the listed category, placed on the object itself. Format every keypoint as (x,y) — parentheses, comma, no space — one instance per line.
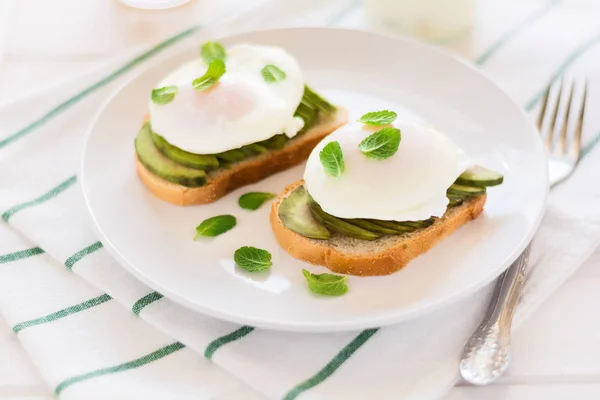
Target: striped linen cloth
(95,332)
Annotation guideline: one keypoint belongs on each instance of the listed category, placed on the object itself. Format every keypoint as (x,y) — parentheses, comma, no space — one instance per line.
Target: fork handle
(486,355)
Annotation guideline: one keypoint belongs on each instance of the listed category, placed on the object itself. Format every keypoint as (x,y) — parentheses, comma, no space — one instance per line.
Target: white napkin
(5,8)
(75,310)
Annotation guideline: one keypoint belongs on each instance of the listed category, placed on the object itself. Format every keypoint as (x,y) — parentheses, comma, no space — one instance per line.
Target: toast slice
(251,170)
(382,256)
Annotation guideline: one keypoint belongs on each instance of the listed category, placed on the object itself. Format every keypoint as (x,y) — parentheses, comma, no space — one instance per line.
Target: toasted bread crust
(376,262)
(242,173)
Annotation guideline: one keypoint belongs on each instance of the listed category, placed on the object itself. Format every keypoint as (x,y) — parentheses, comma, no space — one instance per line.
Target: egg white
(240,109)
(409,186)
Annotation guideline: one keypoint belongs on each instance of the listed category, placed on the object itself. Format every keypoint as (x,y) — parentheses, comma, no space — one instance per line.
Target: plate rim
(389,318)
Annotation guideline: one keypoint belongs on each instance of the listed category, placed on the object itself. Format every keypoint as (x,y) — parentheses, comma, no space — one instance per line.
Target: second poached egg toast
(377,194)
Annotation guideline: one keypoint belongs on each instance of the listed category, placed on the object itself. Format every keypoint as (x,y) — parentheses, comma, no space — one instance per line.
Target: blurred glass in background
(154,4)
(430,20)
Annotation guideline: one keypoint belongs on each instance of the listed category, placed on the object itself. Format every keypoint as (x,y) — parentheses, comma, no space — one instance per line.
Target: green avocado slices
(254,149)
(465,191)
(480,177)
(398,227)
(314,223)
(198,161)
(418,224)
(373,226)
(161,165)
(296,216)
(471,184)
(276,142)
(233,155)
(339,225)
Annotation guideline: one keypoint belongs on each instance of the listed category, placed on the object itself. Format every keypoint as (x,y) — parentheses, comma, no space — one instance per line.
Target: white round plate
(363,72)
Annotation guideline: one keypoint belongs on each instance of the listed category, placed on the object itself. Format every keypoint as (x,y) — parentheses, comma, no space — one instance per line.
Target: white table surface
(556,353)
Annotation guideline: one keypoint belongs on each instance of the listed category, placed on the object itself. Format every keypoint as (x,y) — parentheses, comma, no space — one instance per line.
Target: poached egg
(408,186)
(240,109)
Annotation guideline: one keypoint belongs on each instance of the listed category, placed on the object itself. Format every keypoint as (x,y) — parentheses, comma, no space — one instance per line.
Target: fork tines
(562,141)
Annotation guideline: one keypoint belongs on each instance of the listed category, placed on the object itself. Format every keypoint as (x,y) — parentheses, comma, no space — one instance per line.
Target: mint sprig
(271,73)
(383,117)
(215,70)
(327,284)
(164,95)
(211,51)
(332,159)
(252,259)
(253,200)
(215,226)
(381,144)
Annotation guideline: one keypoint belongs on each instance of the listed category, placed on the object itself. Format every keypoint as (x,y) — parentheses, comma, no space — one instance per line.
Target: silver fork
(487,353)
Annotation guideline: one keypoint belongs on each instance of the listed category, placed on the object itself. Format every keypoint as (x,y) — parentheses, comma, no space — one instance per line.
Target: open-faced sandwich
(378,193)
(227,119)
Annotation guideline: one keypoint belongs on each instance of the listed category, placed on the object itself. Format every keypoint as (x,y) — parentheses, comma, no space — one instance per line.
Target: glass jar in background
(430,20)
(154,4)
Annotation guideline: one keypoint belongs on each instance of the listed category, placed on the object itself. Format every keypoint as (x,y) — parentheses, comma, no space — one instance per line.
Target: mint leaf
(332,158)
(211,51)
(327,284)
(378,117)
(272,74)
(215,226)
(164,95)
(252,259)
(253,200)
(382,144)
(215,70)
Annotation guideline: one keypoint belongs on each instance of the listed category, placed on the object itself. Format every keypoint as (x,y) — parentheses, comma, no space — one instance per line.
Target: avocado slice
(465,191)
(455,202)
(313,99)
(394,225)
(308,112)
(231,155)
(371,226)
(276,142)
(418,224)
(480,177)
(296,216)
(340,226)
(254,149)
(350,230)
(198,161)
(161,165)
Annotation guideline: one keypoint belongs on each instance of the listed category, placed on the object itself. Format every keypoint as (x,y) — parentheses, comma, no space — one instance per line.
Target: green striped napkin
(95,332)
